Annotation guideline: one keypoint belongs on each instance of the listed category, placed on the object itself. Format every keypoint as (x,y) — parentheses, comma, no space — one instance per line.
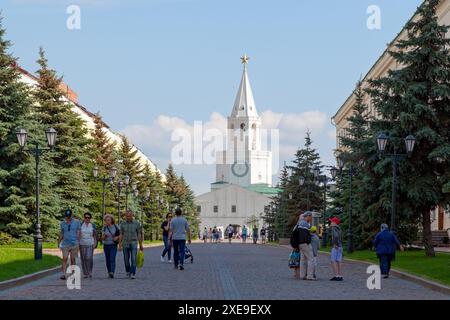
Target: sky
(153,66)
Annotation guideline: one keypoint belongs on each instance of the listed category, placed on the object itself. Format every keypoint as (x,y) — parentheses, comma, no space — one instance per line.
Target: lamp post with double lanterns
(382,141)
(105,179)
(119,191)
(37,152)
(351,172)
(126,180)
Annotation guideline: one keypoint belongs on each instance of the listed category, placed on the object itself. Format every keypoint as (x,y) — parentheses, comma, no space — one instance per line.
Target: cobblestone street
(222,271)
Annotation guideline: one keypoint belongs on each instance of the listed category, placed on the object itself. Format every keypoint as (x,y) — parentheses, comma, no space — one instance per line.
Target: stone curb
(401,274)
(7,284)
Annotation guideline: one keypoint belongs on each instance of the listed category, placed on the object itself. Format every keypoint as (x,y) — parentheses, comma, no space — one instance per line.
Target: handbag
(116,234)
(140,259)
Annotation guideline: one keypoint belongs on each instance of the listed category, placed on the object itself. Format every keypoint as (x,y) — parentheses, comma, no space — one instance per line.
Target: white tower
(244,163)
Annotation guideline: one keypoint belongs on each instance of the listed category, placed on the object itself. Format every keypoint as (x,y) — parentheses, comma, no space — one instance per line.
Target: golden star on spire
(245,59)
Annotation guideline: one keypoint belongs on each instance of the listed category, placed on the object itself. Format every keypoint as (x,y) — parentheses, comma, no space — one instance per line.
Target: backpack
(300,236)
(295,237)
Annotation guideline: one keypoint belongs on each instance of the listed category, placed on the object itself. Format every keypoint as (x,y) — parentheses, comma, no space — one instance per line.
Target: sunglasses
(87,218)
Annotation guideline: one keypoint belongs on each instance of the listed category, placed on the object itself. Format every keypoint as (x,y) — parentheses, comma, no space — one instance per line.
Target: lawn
(414,262)
(15,263)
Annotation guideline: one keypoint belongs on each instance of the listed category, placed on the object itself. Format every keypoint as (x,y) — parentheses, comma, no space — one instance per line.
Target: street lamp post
(37,152)
(382,141)
(126,180)
(119,191)
(105,180)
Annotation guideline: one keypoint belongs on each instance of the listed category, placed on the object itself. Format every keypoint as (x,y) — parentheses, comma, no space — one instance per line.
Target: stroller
(188,255)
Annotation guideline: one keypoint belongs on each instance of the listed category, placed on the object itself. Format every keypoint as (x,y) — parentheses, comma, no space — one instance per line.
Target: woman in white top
(87,245)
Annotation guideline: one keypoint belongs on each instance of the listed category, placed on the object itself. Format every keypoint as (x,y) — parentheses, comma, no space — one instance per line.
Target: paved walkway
(222,271)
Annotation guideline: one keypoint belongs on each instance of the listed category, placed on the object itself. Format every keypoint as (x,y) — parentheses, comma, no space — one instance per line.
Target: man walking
(179,227)
(306,253)
(230,231)
(69,237)
(386,244)
(130,236)
(336,249)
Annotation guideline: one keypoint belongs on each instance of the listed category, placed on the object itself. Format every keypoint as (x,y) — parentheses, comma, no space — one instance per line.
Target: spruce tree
(103,153)
(310,195)
(415,99)
(281,218)
(71,155)
(358,154)
(17,169)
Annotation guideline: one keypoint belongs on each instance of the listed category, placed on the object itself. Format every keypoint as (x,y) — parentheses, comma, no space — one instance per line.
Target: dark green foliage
(415,99)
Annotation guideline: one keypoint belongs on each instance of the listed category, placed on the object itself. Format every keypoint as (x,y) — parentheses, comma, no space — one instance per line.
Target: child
(315,244)
(294,262)
(336,250)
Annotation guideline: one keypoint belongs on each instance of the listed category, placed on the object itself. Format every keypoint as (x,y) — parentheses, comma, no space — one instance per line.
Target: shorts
(73,250)
(336,254)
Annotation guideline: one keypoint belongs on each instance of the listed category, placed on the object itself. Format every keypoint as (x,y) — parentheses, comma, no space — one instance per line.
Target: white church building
(243,185)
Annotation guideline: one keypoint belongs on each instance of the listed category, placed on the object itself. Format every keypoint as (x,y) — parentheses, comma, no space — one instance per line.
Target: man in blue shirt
(69,237)
(179,229)
(386,244)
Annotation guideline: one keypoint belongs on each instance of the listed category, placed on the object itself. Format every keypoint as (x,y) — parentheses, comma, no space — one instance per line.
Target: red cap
(335,220)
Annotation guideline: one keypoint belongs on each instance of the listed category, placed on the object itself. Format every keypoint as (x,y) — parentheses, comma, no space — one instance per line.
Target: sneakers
(181,267)
(133,276)
(128,274)
(111,275)
(162,259)
(169,261)
(63,277)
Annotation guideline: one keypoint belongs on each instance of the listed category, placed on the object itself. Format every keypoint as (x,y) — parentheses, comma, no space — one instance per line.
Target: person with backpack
(304,244)
(110,238)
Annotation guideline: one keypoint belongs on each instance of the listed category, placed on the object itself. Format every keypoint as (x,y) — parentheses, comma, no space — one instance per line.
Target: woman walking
(88,239)
(210,235)
(165,226)
(385,245)
(110,238)
(244,234)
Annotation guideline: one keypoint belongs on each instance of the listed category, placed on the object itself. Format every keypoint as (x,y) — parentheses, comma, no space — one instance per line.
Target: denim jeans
(130,253)
(385,263)
(179,248)
(110,251)
(167,247)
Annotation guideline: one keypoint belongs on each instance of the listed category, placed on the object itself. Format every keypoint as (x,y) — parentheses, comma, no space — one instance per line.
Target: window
(233,209)
(216,209)
(199,209)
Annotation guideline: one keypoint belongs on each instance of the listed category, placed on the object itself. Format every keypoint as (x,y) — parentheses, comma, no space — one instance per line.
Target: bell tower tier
(244,162)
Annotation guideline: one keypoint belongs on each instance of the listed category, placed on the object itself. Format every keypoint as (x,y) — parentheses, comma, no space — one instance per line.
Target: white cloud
(155,139)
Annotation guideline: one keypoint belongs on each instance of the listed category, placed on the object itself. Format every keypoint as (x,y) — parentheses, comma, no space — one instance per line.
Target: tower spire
(244,104)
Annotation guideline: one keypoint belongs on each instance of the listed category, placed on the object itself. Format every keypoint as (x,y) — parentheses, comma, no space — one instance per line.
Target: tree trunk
(427,236)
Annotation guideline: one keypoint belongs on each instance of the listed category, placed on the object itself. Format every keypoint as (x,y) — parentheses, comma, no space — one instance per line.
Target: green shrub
(6,238)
